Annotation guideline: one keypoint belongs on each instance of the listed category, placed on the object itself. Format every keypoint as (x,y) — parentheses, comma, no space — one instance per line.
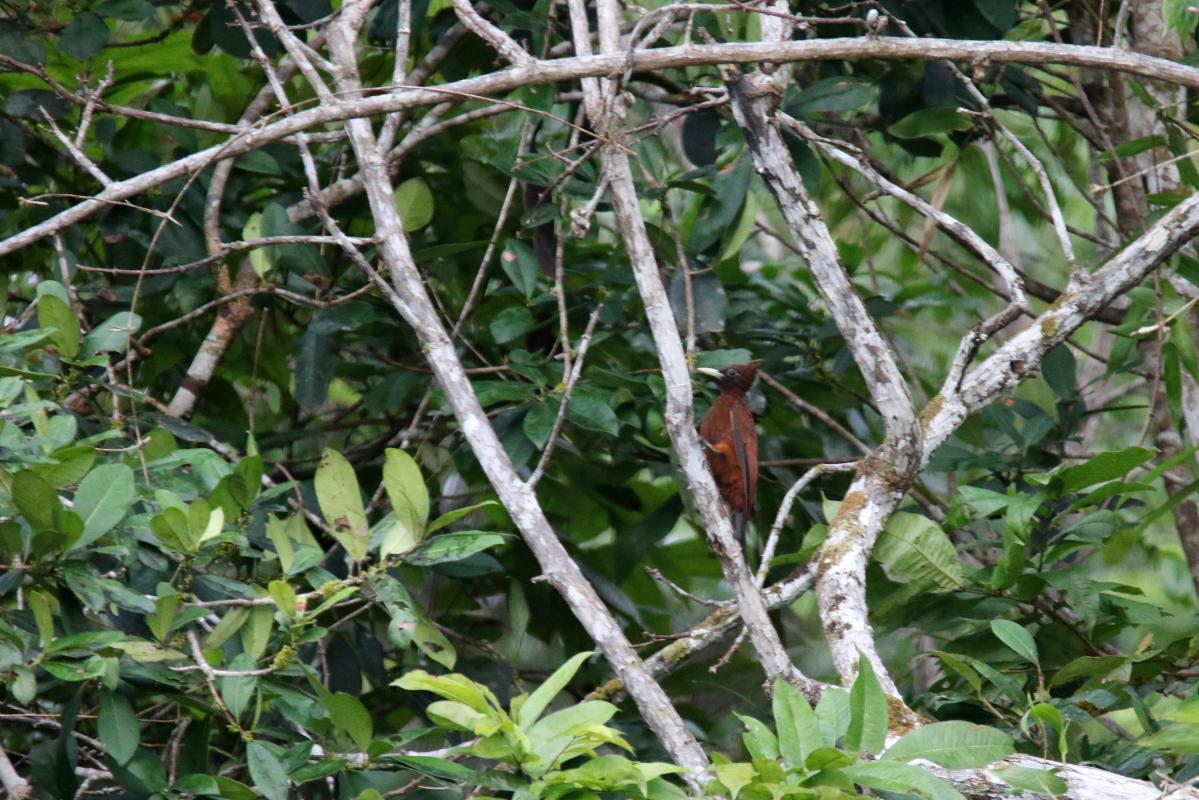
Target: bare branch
(492,34)
(589,66)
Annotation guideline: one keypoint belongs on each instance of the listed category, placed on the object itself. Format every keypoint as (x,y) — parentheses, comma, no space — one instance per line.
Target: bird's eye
(732,372)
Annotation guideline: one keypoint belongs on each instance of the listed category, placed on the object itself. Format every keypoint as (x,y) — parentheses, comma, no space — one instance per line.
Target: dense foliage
(266,589)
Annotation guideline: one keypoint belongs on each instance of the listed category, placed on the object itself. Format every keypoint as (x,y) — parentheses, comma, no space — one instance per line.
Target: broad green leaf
(520,265)
(53,312)
(953,745)
(434,644)
(832,714)
(266,771)
(450,517)
(118,726)
(414,201)
(112,335)
(958,665)
(510,324)
(350,716)
(453,547)
(230,624)
(868,712)
(256,634)
(841,93)
(35,499)
(451,687)
(892,776)
(1017,638)
(104,498)
(1027,779)
(1178,737)
(735,777)
(284,597)
(407,493)
(915,549)
(1177,14)
(84,36)
(282,542)
(73,464)
(537,702)
(39,604)
(930,122)
(760,741)
(1087,667)
(341,503)
(798,730)
(453,714)
(1103,467)
(238,690)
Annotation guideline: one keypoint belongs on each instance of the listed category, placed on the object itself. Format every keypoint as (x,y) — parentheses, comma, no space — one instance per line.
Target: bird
(730,443)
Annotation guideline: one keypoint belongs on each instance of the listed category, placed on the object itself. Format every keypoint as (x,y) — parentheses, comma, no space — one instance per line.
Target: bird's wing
(742,452)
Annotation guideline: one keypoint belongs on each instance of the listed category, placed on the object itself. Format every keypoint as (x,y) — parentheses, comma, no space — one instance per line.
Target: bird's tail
(740,520)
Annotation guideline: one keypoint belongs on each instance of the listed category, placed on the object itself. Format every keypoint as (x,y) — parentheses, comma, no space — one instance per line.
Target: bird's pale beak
(711,373)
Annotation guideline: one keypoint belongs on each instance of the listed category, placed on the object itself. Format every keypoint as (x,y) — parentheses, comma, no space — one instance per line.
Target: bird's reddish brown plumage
(731,444)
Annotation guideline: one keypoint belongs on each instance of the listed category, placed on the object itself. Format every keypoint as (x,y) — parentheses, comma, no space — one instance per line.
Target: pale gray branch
(590,66)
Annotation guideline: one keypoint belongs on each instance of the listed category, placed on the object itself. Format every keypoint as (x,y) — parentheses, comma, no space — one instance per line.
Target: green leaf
(1177,14)
(735,777)
(520,265)
(341,503)
(35,499)
(841,93)
(103,500)
(760,741)
(833,715)
(284,597)
(266,771)
(451,687)
(1103,467)
(1087,667)
(414,201)
(798,730)
(282,542)
(408,495)
(1016,638)
(1027,779)
(434,644)
(238,690)
(118,726)
(450,517)
(915,549)
(592,409)
(953,745)
(83,37)
(531,709)
(510,324)
(1176,737)
(892,776)
(73,464)
(868,712)
(112,335)
(453,547)
(930,122)
(539,420)
(351,717)
(53,312)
